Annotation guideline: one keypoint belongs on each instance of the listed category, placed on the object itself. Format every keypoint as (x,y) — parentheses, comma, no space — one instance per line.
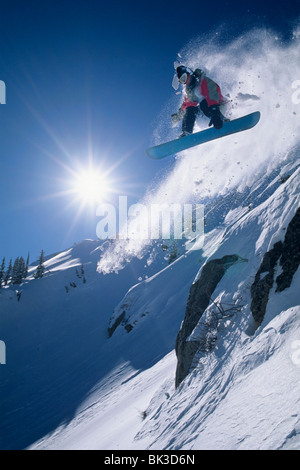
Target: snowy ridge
(239,402)
(106,386)
(235,397)
(247,233)
(56,342)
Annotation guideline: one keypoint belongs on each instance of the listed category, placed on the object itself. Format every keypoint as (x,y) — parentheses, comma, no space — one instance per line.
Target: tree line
(17,271)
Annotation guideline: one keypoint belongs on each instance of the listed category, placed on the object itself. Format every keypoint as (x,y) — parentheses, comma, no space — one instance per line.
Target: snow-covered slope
(57,349)
(244,394)
(67,385)
(91,361)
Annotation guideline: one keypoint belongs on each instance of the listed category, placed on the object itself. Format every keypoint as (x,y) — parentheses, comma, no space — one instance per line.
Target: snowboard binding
(216,118)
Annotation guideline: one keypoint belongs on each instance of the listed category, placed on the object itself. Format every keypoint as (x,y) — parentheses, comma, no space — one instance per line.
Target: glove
(177,116)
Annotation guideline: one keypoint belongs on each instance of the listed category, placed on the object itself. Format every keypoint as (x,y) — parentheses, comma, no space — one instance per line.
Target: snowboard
(178,145)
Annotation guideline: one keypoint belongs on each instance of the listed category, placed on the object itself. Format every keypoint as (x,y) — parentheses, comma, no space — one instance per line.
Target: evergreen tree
(8,273)
(26,267)
(82,269)
(21,274)
(2,270)
(19,271)
(41,268)
(15,272)
(82,274)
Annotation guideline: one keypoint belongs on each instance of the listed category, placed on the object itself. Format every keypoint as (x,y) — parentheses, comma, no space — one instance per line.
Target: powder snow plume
(256,71)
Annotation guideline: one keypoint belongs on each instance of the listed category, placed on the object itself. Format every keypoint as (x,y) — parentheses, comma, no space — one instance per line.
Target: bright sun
(90,186)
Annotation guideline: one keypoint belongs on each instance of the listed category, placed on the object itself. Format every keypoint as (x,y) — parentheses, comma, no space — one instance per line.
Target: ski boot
(184,134)
(216,118)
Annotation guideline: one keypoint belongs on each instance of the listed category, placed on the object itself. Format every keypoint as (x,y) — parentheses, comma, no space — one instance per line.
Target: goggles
(183,78)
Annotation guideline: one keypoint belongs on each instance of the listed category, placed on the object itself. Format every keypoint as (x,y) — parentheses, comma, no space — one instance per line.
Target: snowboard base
(178,145)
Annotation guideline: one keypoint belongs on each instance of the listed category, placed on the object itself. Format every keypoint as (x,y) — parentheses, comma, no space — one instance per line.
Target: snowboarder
(200,93)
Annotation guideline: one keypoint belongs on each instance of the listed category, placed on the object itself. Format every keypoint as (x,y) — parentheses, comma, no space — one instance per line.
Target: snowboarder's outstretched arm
(186,104)
(177,116)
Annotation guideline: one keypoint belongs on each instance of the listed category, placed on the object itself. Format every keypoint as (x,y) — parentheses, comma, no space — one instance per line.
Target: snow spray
(296,93)
(257,71)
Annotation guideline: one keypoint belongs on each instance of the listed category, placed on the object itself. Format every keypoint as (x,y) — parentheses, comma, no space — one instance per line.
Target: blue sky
(85,83)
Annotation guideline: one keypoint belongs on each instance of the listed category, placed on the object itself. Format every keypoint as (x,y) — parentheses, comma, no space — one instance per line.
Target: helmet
(182,73)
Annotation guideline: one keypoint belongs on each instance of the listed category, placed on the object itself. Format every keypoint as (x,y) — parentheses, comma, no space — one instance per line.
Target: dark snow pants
(189,119)
(192,112)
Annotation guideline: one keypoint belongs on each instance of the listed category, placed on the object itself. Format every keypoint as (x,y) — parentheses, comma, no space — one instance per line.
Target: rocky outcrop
(290,258)
(288,255)
(111,329)
(263,282)
(198,300)
(285,253)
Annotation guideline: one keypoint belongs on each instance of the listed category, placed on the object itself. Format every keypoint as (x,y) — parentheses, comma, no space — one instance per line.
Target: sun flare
(90,186)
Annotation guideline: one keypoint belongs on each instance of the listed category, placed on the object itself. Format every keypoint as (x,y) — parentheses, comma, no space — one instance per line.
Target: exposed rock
(116,323)
(263,282)
(198,300)
(290,258)
(288,252)
(128,327)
